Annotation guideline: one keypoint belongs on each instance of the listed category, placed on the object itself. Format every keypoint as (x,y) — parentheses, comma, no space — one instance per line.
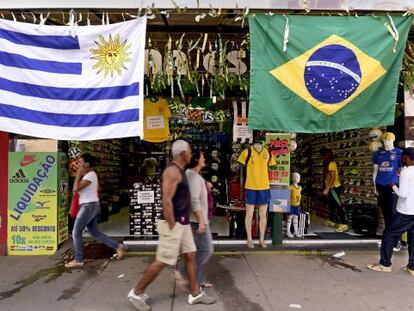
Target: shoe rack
(109,169)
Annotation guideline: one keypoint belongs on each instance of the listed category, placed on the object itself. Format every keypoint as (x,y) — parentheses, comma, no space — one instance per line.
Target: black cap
(409,152)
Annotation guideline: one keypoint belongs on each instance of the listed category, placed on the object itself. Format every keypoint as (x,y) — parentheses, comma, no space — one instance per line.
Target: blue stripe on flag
(61,93)
(51,42)
(19,61)
(68,120)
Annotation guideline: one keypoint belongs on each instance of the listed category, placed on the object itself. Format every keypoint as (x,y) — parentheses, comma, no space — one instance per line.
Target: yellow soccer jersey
(295,195)
(156,126)
(333,167)
(257,177)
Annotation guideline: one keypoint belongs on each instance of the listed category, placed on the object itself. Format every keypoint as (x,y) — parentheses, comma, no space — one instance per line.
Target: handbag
(74,206)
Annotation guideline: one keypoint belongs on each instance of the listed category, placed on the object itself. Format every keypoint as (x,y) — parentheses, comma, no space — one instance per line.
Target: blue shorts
(257,197)
(294,210)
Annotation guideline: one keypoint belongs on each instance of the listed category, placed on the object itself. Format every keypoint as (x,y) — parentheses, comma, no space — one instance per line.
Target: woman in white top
(199,219)
(87,185)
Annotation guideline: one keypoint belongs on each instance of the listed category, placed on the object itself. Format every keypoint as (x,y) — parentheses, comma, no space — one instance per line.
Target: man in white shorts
(175,235)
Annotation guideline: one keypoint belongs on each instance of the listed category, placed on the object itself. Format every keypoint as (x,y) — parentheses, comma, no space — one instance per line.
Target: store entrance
(130,169)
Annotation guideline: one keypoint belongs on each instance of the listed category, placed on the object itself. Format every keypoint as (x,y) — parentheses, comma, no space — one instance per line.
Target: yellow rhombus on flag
(293,75)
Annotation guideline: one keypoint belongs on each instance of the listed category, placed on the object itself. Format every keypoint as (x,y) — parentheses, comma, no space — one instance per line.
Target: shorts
(257,197)
(174,242)
(294,210)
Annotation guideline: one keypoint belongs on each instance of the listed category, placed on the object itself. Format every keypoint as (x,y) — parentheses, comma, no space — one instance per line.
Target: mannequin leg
(288,225)
(263,223)
(295,226)
(248,223)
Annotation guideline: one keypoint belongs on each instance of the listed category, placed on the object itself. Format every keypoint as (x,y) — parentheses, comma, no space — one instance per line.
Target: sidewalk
(247,281)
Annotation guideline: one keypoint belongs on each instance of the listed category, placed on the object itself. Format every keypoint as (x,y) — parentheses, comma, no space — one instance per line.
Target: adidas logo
(19,178)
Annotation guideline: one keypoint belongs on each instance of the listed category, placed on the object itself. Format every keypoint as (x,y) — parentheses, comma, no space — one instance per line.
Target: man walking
(403,219)
(174,231)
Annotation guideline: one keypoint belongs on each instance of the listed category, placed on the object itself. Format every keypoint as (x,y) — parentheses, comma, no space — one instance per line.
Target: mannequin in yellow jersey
(257,160)
(295,198)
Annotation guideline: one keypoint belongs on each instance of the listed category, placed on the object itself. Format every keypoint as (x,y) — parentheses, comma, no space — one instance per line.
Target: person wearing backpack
(256,159)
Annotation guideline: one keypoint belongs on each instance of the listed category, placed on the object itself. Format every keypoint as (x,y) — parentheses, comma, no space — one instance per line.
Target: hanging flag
(72,82)
(315,74)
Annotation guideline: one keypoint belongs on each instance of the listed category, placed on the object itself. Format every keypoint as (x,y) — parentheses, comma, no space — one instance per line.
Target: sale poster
(278,144)
(33,225)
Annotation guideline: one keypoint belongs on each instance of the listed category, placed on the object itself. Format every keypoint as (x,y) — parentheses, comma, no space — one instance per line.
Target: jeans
(387,200)
(400,223)
(204,243)
(88,217)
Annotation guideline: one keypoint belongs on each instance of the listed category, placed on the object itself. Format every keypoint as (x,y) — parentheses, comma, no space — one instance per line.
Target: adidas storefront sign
(19,178)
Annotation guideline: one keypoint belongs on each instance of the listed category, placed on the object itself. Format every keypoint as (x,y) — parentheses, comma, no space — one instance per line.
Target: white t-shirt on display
(405,192)
(90,193)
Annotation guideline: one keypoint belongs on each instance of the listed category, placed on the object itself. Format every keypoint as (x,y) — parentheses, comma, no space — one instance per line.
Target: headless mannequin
(294,218)
(262,215)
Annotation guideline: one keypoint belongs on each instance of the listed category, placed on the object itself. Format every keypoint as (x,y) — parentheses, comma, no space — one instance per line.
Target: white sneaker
(139,301)
(398,247)
(289,234)
(202,298)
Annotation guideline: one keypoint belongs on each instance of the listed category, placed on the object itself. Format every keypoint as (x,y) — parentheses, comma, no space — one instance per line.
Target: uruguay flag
(72,83)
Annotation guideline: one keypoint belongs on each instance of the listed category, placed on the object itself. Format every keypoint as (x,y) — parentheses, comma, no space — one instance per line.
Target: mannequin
(295,197)
(385,173)
(150,164)
(257,160)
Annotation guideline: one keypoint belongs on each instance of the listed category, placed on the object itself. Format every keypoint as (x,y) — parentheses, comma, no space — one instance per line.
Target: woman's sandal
(120,252)
(74,264)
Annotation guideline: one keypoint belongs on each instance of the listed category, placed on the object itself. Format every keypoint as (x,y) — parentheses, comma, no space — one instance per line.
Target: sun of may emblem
(112,55)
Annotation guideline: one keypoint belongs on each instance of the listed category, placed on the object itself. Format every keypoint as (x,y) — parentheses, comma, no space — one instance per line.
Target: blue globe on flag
(332,74)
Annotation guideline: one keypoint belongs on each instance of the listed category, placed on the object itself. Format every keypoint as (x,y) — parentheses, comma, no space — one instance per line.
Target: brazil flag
(337,73)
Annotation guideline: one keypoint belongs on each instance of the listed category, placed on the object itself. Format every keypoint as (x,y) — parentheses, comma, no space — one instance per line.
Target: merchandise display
(145,208)
(354,158)
(156,116)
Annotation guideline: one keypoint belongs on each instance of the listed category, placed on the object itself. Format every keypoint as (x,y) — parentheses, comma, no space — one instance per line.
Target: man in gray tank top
(174,231)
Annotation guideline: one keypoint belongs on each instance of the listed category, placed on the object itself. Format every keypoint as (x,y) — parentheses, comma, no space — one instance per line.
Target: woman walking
(87,185)
(199,219)
(333,189)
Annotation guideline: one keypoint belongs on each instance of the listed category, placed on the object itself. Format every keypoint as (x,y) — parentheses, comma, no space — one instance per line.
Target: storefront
(207,105)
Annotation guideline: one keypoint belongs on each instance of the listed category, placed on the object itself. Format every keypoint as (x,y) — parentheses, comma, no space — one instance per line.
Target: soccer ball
(375,134)
(174,106)
(293,145)
(374,146)
(183,110)
(208,117)
(220,116)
